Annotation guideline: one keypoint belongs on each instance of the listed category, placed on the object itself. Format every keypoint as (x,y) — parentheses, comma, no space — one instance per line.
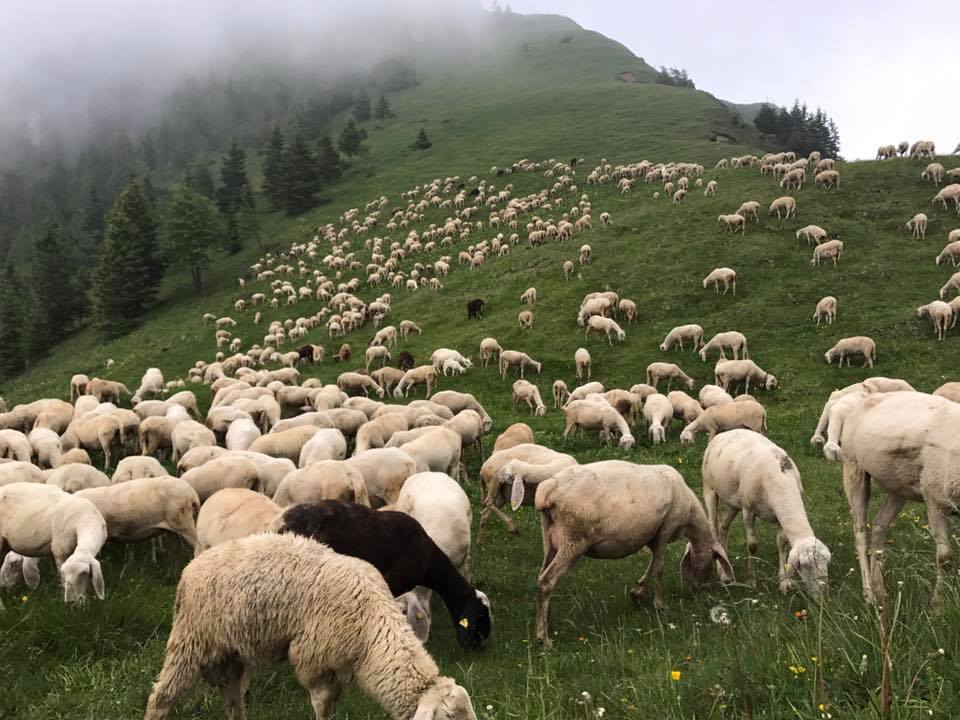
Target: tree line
(799,130)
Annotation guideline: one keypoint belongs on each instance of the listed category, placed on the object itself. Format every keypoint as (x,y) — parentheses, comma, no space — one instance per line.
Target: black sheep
(398,546)
(475,309)
(405,360)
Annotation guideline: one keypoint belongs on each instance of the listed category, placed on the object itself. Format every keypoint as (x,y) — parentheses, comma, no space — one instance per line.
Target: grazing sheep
(721,275)
(735,341)
(952,284)
(189,434)
(832,249)
(750,474)
(323,480)
(827,179)
(786,205)
(560,393)
(933,171)
(612,509)
(675,337)
(517,359)
(384,471)
(475,309)
(374,353)
(489,349)
(750,209)
(525,391)
(241,434)
(728,416)
(137,466)
(422,375)
(568,267)
(729,373)
(659,370)
(525,319)
(529,296)
(324,444)
(229,471)
(940,314)
(514,435)
(599,417)
(583,363)
(826,307)
(607,326)
(951,193)
(457,402)
(658,412)
(74,477)
(46,447)
(950,391)
(813,234)
(581,392)
(685,408)
(351,382)
(850,346)
(78,387)
(918,225)
(733,223)
(627,308)
(711,395)
(233,513)
(334,616)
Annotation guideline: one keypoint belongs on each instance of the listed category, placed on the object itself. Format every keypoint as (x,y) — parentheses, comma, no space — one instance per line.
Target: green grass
(99,661)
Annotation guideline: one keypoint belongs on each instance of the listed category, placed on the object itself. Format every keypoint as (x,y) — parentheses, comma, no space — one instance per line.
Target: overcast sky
(884,70)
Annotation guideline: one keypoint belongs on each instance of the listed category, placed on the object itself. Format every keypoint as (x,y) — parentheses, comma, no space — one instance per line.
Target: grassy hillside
(782,656)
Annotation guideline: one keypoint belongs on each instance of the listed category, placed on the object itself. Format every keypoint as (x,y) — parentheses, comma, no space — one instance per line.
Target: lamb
(658,412)
(374,353)
(918,225)
(41,520)
(832,249)
(223,472)
(728,416)
(517,359)
(421,375)
(233,513)
(384,471)
(750,474)
(407,327)
(489,349)
(514,435)
(826,307)
(399,547)
(847,347)
(349,382)
(827,179)
(141,509)
(750,209)
(733,223)
(525,391)
(675,337)
(711,395)
(786,204)
(659,370)
(324,444)
(722,275)
(735,341)
(322,480)
(730,373)
(612,509)
(607,326)
(583,363)
(529,296)
(940,314)
(78,387)
(933,171)
(685,408)
(525,319)
(913,460)
(442,508)
(307,595)
(137,466)
(602,418)
(813,234)
(560,393)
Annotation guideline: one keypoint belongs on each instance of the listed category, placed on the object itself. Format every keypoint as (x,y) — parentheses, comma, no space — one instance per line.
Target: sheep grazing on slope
(729,373)
(675,337)
(750,474)
(598,417)
(514,435)
(667,371)
(721,275)
(726,416)
(846,348)
(525,391)
(940,314)
(830,250)
(735,341)
(396,545)
(813,234)
(785,205)
(612,509)
(918,226)
(826,307)
(560,393)
(266,597)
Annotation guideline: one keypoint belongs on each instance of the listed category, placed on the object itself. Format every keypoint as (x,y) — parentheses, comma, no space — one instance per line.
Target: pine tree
(55,303)
(129,267)
(233,178)
(382,111)
(361,108)
(329,165)
(766,120)
(273,171)
(192,227)
(200,179)
(233,242)
(422,142)
(92,222)
(302,182)
(350,139)
(11,322)
(148,152)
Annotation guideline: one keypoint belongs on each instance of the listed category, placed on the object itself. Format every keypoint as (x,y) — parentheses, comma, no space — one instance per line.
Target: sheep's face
(621,335)
(697,563)
(771,382)
(541,410)
(686,438)
(78,573)
(445,701)
(626,441)
(809,559)
(663,347)
(473,623)
(828,356)
(689,383)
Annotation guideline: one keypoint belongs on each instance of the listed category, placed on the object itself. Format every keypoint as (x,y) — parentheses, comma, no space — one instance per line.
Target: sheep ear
(686,563)
(482,597)
(96,576)
(720,555)
(516,492)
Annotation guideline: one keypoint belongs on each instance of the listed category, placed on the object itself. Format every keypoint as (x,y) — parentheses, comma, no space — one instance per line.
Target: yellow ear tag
(464,623)
(419,616)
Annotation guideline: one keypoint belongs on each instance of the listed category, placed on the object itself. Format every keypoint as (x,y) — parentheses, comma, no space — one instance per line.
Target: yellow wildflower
(675,675)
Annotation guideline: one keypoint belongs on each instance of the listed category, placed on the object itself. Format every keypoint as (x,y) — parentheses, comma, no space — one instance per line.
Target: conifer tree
(92,223)
(361,108)
(192,227)
(55,303)
(200,179)
(273,171)
(350,139)
(422,142)
(11,322)
(382,111)
(302,182)
(329,165)
(233,180)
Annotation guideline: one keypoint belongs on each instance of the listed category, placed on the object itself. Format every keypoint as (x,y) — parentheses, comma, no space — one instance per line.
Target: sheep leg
(563,559)
(324,694)
(722,534)
(887,513)
(654,573)
(491,507)
(232,690)
(782,561)
(180,672)
(856,486)
(940,529)
(749,523)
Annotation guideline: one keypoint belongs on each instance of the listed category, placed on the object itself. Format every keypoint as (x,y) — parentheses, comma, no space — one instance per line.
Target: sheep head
(78,573)
(686,437)
(698,561)
(809,559)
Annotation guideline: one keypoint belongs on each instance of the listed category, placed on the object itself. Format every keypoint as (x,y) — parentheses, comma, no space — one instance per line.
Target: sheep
(74,477)
(793,179)
(469,425)
(388,377)
(940,314)
(142,508)
(885,152)
(45,444)
(827,179)
(913,460)
(949,193)
(324,444)
(437,450)
(190,434)
(581,392)
(233,513)
(711,189)
(727,416)
(568,269)
(786,204)
(750,209)
(612,509)
(399,547)
(517,359)
(813,234)
(583,363)
(722,275)
(856,345)
(658,412)
(514,435)
(750,474)
(733,223)
(529,296)
(593,306)
(711,395)
(489,349)
(322,480)
(349,382)
(457,402)
(241,434)
(627,308)
(334,615)
(826,307)
(150,384)
(373,353)
(659,371)
(442,508)
(106,390)
(137,466)
(14,445)
(17,568)
(378,431)
(729,373)
(831,249)
(407,327)
(15,471)
(949,390)
(525,319)
(918,226)
(602,418)
(384,471)
(525,391)
(38,520)
(607,326)
(685,408)
(735,341)
(560,393)
(78,386)
(952,284)
(586,253)
(422,375)
(223,472)
(933,171)
(675,337)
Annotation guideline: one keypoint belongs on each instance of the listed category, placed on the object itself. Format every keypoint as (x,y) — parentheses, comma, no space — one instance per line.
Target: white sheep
(607,326)
(675,337)
(733,223)
(489,350)
(953,283)
(525,391)
(940,314)
(222,472)
(323,480)
(750,474)
(658,412)
(560,393)
(525,319)
(583,363)
(517,359)
(850,346)
(374,353)
(827,179)
(813,234)
(599,417)
(669,371)
(711,395)
(826,307)
(324,444)
(918,225)
(727,416)
(735,341)
(233,513)
(786,205)
(831,249)
(722,275)
(529,296)
(729,373)
(750,209)
(137,466)
(933,171)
